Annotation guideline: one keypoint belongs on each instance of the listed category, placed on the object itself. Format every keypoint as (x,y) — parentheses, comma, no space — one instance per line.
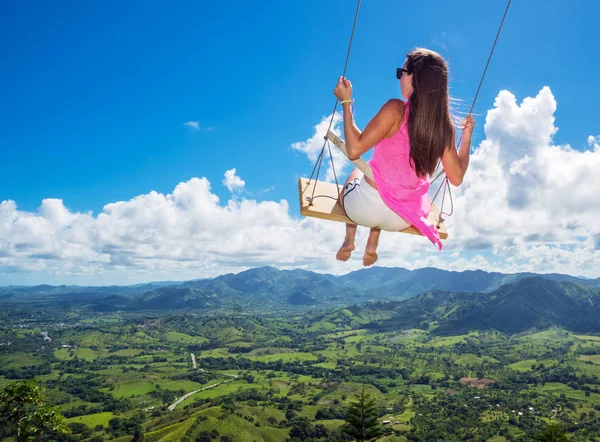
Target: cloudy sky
(142,143)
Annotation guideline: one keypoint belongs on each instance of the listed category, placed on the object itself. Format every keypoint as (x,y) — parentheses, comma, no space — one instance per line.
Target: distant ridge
(387,298)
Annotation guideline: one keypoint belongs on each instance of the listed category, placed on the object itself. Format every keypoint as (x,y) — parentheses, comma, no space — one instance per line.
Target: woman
(410,137)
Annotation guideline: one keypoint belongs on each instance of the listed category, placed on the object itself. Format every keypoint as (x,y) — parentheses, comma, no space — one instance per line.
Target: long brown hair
(430,126)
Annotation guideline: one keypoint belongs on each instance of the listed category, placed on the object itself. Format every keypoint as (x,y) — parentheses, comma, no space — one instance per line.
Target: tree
(361,423)
(138,434)
(13,401)
(44,420)
(553,433)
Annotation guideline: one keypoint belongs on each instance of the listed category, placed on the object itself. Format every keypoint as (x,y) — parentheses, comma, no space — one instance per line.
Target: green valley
(443,365)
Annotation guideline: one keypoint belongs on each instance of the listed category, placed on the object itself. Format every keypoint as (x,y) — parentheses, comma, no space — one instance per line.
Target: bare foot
(345,251)
(370,255)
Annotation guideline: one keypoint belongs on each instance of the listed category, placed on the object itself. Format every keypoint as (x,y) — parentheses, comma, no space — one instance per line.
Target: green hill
(531,303)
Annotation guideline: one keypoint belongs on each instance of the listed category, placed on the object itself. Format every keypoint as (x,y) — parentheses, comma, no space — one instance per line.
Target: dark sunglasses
(399,72)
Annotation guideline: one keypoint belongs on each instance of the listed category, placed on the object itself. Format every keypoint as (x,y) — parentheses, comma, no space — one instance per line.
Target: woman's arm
(456,163)
(357,142)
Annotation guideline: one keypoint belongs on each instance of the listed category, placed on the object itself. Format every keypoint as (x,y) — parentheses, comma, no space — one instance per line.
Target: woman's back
(391,157)
(397,181)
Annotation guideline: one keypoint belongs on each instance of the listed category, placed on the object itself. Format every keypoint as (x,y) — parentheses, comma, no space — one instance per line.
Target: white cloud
(232,181)
(192,125)
(188,233)
(312,148)
(531,201)
(594,142)
(525,205)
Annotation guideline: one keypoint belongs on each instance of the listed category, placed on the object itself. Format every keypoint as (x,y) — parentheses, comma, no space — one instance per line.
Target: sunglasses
(399,72)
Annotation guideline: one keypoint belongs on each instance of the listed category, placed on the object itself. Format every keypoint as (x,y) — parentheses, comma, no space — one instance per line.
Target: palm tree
(13,400)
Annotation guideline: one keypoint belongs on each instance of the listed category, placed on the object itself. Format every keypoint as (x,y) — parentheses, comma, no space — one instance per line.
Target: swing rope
(442,172)
(326,142)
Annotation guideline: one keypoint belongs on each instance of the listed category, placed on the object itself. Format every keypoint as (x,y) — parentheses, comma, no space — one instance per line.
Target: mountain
(266,289)
(400,282)
(262,289)
(76,293)
(533,302)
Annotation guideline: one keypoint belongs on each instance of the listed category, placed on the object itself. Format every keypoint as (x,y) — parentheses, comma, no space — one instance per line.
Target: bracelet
(346,101)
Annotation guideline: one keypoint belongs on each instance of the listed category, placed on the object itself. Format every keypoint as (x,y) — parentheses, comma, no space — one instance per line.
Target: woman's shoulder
(395,107)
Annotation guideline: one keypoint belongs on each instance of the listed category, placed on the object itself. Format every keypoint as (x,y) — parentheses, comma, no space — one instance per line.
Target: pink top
(397,182)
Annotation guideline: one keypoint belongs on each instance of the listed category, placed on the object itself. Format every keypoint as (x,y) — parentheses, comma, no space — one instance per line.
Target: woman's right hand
(343,89)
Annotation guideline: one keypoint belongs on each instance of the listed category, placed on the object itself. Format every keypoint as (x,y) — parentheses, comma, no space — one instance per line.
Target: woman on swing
(409,137)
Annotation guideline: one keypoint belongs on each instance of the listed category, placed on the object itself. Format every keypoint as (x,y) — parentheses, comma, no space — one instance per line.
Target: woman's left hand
(468,124)
(343,90)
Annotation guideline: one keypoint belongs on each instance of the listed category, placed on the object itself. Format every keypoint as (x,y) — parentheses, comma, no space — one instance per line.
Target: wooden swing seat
(326,205)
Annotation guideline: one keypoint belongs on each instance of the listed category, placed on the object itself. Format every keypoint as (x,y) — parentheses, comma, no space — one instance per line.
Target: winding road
(187,395)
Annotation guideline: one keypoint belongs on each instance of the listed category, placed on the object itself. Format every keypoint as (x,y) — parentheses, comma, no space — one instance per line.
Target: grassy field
(588,338)
(450,340)
(65,354)
(285,356)
(215,353)
(471,359)
(526,364)
(593,369)
(91,420)
(172,336)
(241,429)
(13,360)
(123,389)
(409,374)
(552,334)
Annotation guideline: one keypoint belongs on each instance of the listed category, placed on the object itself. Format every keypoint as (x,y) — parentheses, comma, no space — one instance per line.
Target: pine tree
(361,423)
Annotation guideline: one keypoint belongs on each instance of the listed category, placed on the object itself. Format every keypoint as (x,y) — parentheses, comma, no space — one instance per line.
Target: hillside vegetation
(501,364)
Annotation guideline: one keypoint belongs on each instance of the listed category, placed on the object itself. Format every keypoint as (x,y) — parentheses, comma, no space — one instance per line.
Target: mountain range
(452,300)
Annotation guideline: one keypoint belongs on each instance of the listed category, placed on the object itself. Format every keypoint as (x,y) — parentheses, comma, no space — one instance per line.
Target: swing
(325,204)
(329,207)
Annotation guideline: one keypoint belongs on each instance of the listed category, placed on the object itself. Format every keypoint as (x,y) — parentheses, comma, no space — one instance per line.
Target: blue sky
(95,95)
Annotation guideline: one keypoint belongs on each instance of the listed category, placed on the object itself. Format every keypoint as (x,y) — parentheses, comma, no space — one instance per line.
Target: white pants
(364,206)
